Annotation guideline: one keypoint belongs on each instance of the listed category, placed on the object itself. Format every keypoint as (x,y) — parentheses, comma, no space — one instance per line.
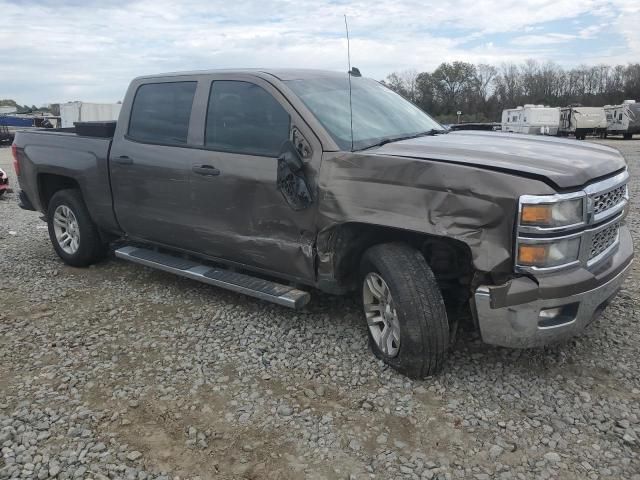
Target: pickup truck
(273,183)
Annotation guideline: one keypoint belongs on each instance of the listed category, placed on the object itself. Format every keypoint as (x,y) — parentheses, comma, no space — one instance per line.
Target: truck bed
(46,153)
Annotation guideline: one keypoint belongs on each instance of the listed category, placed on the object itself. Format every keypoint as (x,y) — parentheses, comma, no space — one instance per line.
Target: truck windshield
(379,114)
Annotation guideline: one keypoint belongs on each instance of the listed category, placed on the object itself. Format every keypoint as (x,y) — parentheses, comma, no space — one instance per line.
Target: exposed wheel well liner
(341,248)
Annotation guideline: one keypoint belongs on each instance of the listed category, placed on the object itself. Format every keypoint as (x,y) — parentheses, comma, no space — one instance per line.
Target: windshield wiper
(433,131)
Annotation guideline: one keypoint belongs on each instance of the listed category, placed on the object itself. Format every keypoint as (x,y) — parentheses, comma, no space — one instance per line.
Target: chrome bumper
(542,321)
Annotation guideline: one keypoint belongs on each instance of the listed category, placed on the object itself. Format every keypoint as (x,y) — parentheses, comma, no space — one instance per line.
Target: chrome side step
(237,282)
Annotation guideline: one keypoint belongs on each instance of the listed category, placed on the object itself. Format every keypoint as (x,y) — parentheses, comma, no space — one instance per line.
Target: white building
(533,119)
(88,112)
(7,110)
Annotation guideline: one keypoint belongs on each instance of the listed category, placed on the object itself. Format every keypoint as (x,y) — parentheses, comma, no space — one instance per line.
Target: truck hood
(560,162)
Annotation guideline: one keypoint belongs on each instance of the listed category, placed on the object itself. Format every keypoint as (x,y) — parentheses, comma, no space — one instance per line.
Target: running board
(237,282)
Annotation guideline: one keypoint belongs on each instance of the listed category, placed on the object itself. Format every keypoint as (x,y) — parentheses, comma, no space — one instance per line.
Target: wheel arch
(341,247)
(50,183)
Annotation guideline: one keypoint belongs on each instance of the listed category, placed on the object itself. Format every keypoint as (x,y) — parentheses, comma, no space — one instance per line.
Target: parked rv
(582,121)
(72,112)
(623,119)
(534,119)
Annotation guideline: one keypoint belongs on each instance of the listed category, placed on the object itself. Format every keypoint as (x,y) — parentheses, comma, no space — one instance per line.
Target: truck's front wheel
(73,234)
(404,310)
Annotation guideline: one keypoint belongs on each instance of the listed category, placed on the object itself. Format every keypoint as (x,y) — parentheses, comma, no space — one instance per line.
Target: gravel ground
(118,371)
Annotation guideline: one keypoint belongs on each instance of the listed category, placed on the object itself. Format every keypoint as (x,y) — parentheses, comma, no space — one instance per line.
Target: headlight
(548,254)
(535,212)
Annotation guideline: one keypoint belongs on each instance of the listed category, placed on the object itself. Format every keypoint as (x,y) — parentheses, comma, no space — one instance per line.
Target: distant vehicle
(532,119)
(623,119)
(4,182)
(274,174)
(6,136)
(73,112)
(486,126)
(582,121)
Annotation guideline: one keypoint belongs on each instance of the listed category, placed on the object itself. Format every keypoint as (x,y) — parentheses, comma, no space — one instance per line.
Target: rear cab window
(242,117)
(160,113)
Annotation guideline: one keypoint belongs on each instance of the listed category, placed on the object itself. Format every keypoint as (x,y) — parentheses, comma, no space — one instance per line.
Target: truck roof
(280,73)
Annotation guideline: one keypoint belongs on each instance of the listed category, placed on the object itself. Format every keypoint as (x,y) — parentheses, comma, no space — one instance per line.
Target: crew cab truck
(277,182)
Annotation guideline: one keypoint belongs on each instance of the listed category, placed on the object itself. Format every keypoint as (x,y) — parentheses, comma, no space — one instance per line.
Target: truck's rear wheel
(404,310)
(74,236)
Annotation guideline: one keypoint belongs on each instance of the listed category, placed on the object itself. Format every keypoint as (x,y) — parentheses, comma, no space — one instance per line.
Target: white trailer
(532,119)
(582,121)
(88,112)
(623,119)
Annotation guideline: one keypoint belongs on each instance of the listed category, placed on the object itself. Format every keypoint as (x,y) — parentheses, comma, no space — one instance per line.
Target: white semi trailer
(582,121)
(71,112)
(532,119)
(623,119)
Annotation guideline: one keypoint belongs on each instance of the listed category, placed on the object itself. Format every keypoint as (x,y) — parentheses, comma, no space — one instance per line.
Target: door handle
(206,170)
(123,160)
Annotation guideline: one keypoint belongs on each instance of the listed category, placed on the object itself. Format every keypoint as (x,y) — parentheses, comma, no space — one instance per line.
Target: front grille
(603,240)
(607,200)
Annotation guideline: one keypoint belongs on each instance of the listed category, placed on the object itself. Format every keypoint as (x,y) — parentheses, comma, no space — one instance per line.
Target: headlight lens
(548,254)
(550,215)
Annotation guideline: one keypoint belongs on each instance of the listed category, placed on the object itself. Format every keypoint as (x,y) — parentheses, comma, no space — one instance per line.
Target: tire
(627,136)
(415,298)
(89,247)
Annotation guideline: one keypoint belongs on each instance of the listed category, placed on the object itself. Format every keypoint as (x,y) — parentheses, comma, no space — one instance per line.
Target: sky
(63,50)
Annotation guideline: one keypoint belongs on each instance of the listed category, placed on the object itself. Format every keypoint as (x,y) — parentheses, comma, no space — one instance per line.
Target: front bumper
(545,319)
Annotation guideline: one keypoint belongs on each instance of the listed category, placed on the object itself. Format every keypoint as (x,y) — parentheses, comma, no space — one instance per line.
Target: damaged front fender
(466,203)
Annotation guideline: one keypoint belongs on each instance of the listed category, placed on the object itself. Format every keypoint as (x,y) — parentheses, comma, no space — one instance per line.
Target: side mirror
(289,155)
(291,181)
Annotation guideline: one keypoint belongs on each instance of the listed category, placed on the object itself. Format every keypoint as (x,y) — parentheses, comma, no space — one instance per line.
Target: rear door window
(161,111)
(242,117)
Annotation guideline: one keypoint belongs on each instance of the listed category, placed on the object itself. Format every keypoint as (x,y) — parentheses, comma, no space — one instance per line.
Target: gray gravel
(118,371)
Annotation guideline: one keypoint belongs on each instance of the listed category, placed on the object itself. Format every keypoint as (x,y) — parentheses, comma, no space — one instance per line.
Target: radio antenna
(346,26)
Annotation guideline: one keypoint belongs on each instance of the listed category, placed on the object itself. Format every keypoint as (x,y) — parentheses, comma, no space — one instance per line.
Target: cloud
(57,50)
(628,21)
(542,39)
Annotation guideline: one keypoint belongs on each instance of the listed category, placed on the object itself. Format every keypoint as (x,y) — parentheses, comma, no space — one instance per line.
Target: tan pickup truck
(274,183)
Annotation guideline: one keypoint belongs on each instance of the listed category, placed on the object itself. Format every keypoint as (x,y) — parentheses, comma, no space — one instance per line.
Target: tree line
(482,91)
